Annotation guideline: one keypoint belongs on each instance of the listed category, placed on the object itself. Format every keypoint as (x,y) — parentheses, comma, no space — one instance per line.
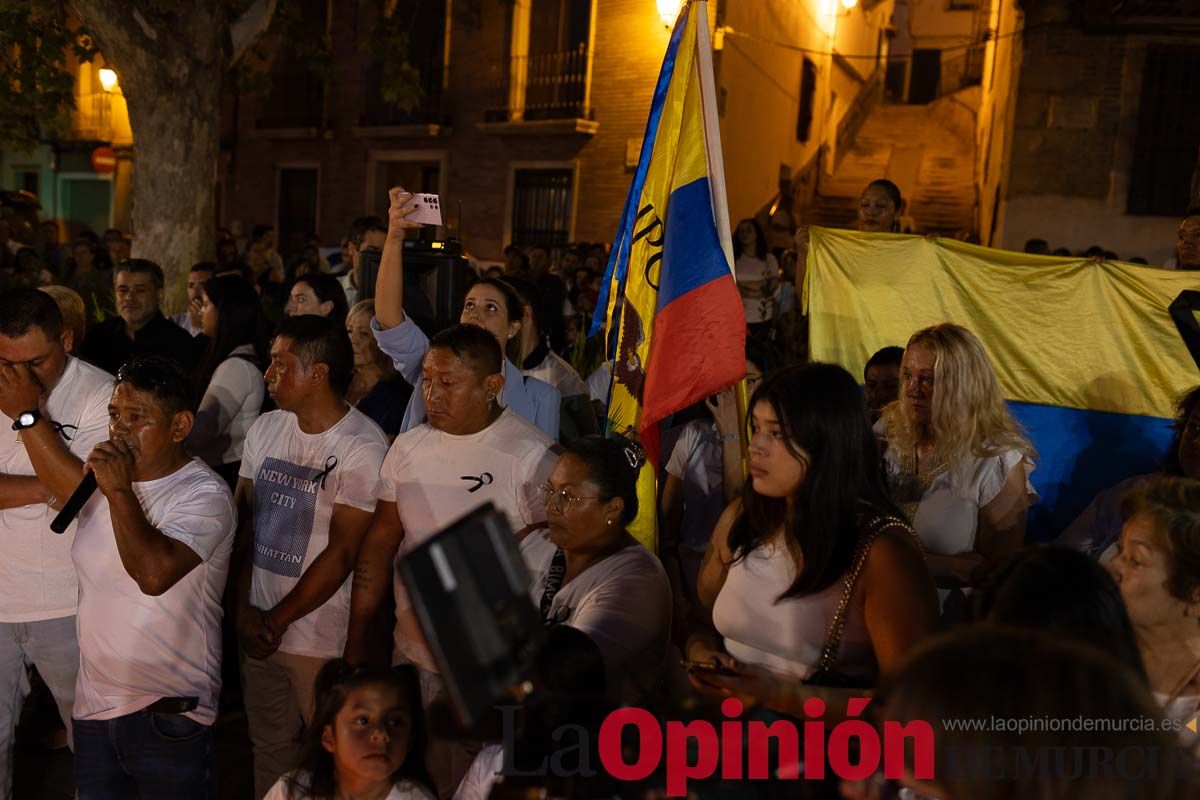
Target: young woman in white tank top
(812,572)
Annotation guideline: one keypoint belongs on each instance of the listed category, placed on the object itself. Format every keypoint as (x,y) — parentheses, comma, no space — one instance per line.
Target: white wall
(1077,223)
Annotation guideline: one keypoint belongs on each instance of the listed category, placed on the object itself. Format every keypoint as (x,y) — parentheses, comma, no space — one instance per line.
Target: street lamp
(108,79)
(668,10)
(849,4)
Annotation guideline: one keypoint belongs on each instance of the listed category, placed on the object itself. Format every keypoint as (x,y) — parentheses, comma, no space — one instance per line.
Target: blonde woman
(957,461)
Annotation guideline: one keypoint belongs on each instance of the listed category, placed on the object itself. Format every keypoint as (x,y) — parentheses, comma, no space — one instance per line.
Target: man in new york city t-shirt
(308,482)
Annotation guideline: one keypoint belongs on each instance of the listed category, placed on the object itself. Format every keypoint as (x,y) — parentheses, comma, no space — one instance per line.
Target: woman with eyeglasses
(589,573)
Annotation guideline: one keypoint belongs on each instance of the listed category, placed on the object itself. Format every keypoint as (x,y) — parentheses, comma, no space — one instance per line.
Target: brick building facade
(533,116)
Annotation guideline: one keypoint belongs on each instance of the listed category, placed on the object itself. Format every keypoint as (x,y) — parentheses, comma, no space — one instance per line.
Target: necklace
(918,478)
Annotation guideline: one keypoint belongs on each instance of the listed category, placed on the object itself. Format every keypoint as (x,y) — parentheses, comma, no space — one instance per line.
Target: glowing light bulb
(108,80)
(668,10)
(849,4)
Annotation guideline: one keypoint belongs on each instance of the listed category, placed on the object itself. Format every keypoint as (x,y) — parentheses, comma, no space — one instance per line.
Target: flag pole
(716,178)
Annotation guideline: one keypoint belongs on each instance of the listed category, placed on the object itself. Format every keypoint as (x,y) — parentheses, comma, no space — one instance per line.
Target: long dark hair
(760,241)
(1184,407)
(328,290)
(821,411)
(334,683)
(1063,592)
(240,321)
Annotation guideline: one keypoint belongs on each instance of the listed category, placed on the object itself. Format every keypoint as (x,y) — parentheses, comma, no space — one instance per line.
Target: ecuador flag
(669,285)
(1089,355)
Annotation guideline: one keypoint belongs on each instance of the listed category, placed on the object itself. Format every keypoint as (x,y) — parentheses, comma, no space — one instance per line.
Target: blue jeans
(49,645)
(144,755)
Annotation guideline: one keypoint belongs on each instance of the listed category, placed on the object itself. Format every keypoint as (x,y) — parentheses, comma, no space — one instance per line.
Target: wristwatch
(26,419)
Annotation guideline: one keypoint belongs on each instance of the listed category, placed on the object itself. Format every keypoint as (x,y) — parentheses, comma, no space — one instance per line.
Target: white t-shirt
(482,776)
(947,518)
(230,405)
(293,506)
(696,460)
(623,603)
(133,648)
(749,269)
(36,572)
(435,478)
(404,790)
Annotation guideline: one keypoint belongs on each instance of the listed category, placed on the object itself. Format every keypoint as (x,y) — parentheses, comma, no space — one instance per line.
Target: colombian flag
(1089,355)
(669,285)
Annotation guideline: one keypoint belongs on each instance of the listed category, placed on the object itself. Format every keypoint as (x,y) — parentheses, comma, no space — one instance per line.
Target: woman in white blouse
(230,373)
(957,461)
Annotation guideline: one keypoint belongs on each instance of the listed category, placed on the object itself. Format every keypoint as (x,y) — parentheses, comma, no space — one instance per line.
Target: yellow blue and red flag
(1089,355)
(669,285)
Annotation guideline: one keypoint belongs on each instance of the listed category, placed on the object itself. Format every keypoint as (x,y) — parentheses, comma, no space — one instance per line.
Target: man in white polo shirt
(152,553)
(53,411)
(471,451)
(307,487)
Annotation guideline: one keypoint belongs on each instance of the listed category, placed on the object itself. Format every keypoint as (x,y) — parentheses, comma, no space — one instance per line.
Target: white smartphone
(428,209)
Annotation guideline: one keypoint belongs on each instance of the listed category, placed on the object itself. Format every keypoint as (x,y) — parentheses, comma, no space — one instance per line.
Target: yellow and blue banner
(1087,353)
(669,285)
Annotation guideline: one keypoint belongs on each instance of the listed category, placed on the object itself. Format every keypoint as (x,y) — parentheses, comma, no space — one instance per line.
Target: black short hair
(613,466)
(321,340)
(162,378)
(891,190)
(471,343)
(361,226)
(1194,211)
(259,231)
(887,356)
(22,309)
(143,266)
(204,266)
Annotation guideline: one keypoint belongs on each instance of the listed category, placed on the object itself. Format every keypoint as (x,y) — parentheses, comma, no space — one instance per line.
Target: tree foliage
(39,37)
(36,84)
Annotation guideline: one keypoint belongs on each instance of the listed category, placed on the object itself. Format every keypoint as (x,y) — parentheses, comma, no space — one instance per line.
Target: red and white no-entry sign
(104,160)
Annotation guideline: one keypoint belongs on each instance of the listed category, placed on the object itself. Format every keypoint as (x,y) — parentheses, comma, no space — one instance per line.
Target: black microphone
(74,503)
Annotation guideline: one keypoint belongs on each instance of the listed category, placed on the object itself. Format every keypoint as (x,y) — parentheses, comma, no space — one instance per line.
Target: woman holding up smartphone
(491,304)
(815,583)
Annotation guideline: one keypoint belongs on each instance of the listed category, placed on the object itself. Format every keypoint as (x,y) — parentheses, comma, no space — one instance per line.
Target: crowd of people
(264,460)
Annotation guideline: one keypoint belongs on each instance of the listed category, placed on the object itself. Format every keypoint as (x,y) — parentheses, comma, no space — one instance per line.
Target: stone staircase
(926,150)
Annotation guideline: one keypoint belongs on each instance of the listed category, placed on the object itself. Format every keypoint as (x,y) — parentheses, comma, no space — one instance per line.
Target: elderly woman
(490,304)
(956,459)
(377,389)
(1157,568)
(811,576)
(1096,530)
(589,573)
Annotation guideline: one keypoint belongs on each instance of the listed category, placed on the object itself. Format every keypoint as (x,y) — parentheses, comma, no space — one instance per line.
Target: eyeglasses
(561,498)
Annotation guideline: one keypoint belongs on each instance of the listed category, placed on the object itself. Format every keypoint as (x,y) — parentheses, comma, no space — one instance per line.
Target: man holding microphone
(152,554)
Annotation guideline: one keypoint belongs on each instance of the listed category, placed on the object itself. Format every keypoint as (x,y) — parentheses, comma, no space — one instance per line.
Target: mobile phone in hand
(428,209)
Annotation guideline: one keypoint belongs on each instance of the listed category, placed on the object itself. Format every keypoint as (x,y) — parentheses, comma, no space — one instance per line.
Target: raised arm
(389,285)
(56,467)
(154,560)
